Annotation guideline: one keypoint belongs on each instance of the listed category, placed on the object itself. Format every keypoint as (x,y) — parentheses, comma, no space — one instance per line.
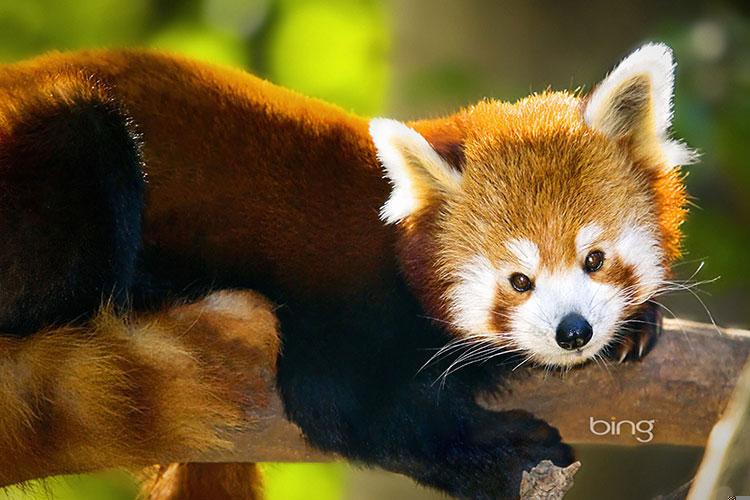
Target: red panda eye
(594,261)
(520,282)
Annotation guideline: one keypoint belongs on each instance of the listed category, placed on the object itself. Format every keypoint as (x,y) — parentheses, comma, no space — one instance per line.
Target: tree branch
(684,385)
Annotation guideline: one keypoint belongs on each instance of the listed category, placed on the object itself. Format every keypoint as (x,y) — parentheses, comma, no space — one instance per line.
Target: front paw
(486,456)
(515,442)
(533,438)
(639,335)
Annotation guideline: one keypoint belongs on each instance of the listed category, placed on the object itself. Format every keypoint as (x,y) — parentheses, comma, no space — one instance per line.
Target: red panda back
(245,180)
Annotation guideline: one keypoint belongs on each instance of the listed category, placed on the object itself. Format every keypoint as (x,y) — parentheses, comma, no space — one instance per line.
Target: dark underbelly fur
(350,378)
(349,372)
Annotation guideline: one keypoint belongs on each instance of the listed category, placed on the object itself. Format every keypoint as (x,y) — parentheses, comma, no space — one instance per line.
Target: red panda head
(558,211)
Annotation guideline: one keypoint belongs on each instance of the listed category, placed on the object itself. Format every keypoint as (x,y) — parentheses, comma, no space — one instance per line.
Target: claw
(623,356)
(638,342)
(624,349)
(643,341)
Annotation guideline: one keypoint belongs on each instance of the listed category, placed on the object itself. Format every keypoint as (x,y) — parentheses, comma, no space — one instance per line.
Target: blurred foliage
(282,482)
(202,42)
(425,58)
(102,486)
(334,50)
(27,28)
(712,114)
(304,481)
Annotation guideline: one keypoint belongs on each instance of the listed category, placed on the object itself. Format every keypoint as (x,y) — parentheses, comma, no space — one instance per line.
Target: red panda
(534,231)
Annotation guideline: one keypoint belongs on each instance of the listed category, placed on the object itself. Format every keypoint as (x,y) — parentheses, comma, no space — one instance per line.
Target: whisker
(477,355)
(682,329)
(472,353)
(527,358)
(457,344)
(482,358)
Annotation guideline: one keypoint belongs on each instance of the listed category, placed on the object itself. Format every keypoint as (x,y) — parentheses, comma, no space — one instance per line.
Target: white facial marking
(560,292)
(587,236)
(473,297)
(638,247)
(526,252)
(555,296)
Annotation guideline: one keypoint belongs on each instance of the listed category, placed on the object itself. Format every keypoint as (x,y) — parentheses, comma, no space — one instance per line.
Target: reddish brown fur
(622,275)
(193,481)
(119,393)
(212,165)
(542,160)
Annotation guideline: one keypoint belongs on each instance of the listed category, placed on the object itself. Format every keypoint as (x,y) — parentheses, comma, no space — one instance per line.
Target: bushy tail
(130,393)
(193,481)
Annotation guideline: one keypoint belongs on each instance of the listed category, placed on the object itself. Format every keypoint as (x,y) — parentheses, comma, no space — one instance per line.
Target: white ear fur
(653,62)
(415,170)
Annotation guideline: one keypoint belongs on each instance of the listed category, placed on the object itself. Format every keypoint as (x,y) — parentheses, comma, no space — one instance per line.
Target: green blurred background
(421,58)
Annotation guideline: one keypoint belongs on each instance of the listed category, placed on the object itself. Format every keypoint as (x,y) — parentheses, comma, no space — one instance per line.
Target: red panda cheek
(499,322)
(620,275)
(506,301)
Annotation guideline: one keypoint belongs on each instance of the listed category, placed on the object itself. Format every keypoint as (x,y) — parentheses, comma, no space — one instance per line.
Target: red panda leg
(199,481)
(70,211)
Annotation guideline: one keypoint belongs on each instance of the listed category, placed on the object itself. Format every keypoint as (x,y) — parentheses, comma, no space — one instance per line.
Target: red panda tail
(198,481)
(120,393)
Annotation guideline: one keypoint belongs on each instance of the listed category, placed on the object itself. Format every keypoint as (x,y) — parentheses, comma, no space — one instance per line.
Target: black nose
(573,332)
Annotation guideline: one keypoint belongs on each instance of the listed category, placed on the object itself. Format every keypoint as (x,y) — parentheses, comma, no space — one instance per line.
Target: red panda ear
(634,102)
(416,171)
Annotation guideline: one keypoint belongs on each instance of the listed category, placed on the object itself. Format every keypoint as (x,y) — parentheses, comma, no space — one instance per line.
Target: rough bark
(683,385)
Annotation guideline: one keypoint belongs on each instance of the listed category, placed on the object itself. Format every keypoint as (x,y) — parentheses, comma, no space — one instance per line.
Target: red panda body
(535,231)
(243,178)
